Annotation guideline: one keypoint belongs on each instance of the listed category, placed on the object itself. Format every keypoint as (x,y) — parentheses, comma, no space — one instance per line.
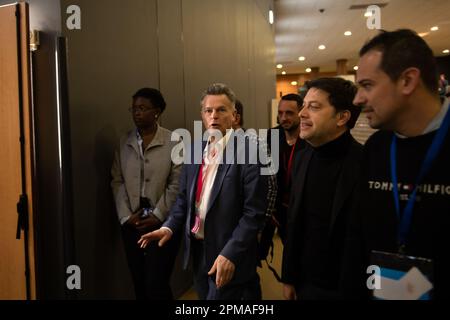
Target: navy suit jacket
(235,212)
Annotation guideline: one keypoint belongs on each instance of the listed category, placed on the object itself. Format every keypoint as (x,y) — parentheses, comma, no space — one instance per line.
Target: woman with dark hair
(145,185)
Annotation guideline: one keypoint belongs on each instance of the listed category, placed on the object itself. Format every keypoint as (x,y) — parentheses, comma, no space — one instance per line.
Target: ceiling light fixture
(302,58)
(322,47)
(271,17)
(446,51)
(294,83)
(435,28)
(279,66)
(308,70)
(368,14)
(355,68)
(347,33)
(283,73)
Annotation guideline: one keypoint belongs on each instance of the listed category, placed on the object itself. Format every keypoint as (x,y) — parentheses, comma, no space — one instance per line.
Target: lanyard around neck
(432,153)
(289,165)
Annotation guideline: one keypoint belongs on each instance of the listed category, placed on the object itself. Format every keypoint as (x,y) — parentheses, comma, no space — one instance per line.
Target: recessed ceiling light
(322,47)
(302,58)
(271,18)
(355,68)
(308,70)
(279,66)
(368,14)
(347,33)
(283,73)
(294,83)
(423,34)
(446,51)
(435,28)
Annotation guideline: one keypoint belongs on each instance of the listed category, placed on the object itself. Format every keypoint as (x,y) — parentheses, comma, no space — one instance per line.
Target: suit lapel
(192,189)
(195,168)
(217,185)
(222,170)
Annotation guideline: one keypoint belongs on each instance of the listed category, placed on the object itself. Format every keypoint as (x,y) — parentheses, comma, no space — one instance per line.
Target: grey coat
(161,175)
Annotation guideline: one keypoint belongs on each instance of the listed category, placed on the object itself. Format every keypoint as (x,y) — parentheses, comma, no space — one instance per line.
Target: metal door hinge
(34,40)
(22,211)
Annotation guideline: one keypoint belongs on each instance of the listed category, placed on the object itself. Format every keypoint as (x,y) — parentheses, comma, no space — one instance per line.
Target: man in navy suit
(220,206)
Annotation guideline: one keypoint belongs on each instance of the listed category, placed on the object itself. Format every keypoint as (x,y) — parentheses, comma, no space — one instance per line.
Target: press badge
(402,277)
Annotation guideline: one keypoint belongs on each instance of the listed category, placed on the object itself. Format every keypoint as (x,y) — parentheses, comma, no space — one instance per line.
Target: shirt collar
(157,140)
(221,143)
(436,122)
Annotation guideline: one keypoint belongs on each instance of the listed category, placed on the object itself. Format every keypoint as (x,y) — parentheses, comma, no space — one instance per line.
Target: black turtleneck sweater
(316,257)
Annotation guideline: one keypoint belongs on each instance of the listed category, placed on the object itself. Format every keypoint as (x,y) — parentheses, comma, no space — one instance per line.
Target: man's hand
(149,223)
(162,234)
(134,218)
(289,292)
(224,270)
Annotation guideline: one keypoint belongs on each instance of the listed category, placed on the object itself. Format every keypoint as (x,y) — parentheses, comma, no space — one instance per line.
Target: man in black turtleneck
(325,180)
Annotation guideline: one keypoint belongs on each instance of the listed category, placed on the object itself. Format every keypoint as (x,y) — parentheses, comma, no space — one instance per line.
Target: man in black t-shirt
(398,90)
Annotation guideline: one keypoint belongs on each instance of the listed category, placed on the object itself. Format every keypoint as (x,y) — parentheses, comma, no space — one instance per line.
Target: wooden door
(17,275)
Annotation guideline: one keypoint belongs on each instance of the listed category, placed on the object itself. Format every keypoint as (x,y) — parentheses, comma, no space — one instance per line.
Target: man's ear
(343,117)
(409,80)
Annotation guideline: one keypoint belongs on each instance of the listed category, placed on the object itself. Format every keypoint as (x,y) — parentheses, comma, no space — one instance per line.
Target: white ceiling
(300,28)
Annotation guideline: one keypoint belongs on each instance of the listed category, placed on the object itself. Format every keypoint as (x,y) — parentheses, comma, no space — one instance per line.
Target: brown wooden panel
(12,258)
(28,134)
(12,262)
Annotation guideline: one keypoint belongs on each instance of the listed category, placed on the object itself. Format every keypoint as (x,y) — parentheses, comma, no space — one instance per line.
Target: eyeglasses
(140,109)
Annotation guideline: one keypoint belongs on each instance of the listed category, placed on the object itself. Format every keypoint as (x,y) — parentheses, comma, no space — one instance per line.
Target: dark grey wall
(50,250)
(113,54)
(179,46)
(229,41)
(171,62)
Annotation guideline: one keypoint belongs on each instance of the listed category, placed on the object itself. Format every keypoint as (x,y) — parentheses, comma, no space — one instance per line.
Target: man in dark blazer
(325,178)
(220,207)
